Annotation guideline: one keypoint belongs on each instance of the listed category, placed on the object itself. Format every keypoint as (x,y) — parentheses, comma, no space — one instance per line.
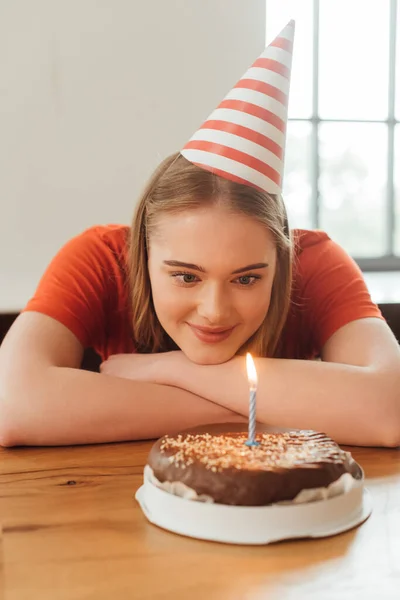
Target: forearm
(69,406)
(352,404)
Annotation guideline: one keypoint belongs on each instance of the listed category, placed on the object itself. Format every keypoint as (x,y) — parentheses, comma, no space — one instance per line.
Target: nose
(214,304)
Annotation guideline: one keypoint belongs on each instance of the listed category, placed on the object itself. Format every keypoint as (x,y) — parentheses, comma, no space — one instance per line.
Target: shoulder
(114,237)
(328,285)
(85,280)
(315,252)
(100,246)
(308,238)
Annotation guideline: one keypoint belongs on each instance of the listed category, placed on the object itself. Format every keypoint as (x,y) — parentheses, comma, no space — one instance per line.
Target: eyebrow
(178,263)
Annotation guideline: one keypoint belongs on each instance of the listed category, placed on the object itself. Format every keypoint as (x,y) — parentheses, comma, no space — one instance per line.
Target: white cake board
(254,525)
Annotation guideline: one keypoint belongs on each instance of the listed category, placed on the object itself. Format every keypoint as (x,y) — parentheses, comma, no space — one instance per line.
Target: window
(342,164)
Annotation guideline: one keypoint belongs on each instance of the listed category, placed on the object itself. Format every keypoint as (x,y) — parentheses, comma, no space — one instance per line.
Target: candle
(252,377)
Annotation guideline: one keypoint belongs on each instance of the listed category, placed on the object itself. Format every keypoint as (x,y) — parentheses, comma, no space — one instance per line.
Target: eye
(184,278)
(247,280)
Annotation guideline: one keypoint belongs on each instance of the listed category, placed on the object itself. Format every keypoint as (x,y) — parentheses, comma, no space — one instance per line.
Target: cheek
(254,306)
(169,301)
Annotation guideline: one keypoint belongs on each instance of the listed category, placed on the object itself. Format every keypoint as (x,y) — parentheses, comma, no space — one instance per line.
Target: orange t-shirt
(85,288)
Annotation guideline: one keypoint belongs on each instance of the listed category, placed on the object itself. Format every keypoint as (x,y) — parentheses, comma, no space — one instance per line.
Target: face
(211,274)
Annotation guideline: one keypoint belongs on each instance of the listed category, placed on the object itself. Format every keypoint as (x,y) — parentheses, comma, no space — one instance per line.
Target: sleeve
(73,288)
(334,290)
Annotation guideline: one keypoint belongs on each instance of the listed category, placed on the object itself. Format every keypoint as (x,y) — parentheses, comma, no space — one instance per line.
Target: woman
(208,270)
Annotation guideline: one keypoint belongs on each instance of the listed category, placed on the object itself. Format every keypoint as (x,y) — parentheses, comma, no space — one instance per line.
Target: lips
(211,335)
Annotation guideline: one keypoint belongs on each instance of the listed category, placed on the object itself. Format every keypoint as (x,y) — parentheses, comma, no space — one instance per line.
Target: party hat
(244,137)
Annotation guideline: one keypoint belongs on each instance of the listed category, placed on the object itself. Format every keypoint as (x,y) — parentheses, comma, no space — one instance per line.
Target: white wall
(93,94)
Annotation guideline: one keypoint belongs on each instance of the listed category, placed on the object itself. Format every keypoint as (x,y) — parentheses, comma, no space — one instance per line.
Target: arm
(353,394)
(46,400)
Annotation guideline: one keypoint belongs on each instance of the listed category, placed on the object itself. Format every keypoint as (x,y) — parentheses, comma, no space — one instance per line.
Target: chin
(209,357)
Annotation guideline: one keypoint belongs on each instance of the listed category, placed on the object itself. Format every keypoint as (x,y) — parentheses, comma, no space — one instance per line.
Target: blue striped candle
(252,377)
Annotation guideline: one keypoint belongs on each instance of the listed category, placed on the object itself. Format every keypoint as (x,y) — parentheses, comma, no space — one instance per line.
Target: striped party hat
(244,138)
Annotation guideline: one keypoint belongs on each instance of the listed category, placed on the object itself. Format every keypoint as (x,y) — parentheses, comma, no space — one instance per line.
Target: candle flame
(251,371)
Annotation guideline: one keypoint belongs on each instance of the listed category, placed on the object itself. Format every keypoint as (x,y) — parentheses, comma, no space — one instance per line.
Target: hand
(162,368)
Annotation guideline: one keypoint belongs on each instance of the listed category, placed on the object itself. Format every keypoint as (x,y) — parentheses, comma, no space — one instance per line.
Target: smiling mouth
(211,335)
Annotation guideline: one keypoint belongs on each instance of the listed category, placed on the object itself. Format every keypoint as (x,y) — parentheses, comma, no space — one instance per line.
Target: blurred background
(95,93)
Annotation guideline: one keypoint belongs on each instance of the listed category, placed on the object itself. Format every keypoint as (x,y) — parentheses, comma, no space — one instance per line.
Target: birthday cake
(295,466)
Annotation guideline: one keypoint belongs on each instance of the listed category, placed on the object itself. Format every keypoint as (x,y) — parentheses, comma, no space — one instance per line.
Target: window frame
(390,261)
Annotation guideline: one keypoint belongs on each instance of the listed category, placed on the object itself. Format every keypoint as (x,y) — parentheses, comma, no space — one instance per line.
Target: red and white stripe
(244,137)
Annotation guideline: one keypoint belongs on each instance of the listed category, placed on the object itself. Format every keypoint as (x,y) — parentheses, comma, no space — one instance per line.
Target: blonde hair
(179,185)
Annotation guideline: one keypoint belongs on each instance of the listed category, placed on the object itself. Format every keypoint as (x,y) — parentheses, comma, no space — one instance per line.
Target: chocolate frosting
(223,467)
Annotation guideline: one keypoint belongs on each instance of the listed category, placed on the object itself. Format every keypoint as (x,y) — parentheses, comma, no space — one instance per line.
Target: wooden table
(72,529)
